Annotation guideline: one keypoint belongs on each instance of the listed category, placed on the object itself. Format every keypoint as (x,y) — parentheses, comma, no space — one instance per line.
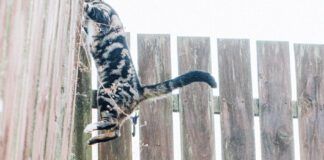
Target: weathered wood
(13,121)
(310,92)
(4,8)
(118,149)
(196,110)
(40,45)
(82,113)
(156,136)
(121,148)
(236,99)
(275,101)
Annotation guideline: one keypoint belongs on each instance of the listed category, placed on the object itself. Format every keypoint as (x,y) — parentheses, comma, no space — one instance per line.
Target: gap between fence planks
(156,135)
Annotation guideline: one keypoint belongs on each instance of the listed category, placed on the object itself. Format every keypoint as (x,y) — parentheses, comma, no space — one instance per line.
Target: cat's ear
(97,12)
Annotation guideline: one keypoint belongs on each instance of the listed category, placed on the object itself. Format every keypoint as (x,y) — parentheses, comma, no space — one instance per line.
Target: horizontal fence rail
(215,104)
(235,104)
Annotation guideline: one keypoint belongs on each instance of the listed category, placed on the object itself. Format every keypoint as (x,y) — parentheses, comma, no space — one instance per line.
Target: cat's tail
(165,87)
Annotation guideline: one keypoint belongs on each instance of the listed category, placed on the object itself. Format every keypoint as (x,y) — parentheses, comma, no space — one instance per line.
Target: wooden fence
(45,93)
(235,104)
(44,81)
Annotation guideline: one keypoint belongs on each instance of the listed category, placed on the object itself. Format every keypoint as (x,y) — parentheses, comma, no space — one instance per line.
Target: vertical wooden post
(40,39)
(156,139)
(82,113)
(310,92)
(121,148)
(196,111)
(275,101)
(236,99)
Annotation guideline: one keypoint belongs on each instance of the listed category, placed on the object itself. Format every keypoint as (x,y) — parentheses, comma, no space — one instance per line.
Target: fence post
(236,99)
(196,109)
(277,139)
(156,136)
(82,112)
(40,41)
(310,93)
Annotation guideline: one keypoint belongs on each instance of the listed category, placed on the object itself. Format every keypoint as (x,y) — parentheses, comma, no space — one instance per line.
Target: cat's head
(96,21)
(98,12)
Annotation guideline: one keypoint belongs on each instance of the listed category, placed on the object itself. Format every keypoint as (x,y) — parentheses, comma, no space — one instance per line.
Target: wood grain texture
(121,148)
(310,92)
(196,110)
(118,149)
(275,101)
(41,45)
(236,99)
(156,136)
(82,112)
(4,8)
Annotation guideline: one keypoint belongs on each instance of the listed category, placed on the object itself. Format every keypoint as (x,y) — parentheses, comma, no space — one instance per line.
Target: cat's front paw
(101,125)
(106,136)
(90,127)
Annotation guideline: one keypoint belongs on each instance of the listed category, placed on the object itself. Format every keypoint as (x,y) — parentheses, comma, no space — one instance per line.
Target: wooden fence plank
(4,20)
(82,113)
(121,148)
(12,98)
(236,99)
(275,101)
(156,136)
(310,92)
(196,110)
(39,79)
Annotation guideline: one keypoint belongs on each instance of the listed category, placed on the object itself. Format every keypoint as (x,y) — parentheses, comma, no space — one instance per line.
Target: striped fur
(120,90)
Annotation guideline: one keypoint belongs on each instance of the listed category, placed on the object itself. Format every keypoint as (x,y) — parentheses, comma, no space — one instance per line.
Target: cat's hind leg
(106,136)
(100,125)
(106,123)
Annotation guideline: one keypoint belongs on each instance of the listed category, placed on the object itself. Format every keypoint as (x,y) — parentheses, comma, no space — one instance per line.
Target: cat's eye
(85,29)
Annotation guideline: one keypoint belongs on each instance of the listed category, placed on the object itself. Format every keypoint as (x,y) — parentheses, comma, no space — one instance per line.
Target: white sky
(289,20)
(296,21)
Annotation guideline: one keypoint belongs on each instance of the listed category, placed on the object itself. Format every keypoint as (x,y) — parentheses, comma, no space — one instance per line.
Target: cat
(120,90)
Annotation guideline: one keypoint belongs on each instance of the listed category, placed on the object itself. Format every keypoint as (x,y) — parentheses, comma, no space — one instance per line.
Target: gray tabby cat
(120,90)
